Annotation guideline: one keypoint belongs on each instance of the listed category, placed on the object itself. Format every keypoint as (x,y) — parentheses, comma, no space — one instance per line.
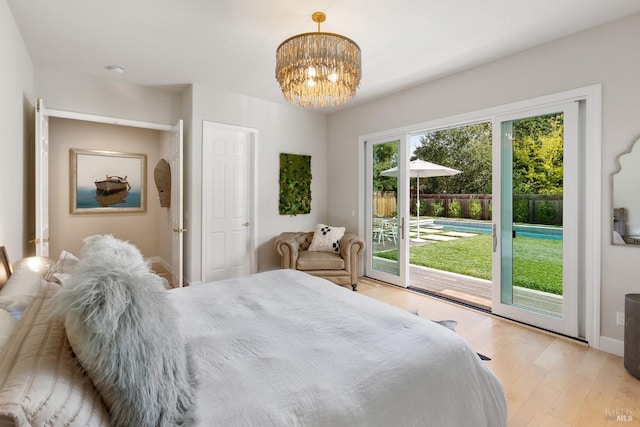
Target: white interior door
(516,258)
(227,209)
(177,205)
(387,209)
(41,239)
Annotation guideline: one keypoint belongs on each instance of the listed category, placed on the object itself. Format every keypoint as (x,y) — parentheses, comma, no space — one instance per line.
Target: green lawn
(537,263)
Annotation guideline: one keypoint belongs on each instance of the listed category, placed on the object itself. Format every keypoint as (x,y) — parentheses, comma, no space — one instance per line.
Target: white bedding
(283,348)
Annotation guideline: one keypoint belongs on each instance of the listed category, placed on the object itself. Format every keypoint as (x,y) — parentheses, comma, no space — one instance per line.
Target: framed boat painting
(107,181)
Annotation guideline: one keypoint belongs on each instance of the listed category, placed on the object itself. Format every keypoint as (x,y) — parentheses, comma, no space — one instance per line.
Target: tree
(466,148)
(538,155)
(385,156)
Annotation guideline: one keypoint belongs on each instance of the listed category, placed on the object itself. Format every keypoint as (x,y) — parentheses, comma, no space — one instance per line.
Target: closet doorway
(156,230)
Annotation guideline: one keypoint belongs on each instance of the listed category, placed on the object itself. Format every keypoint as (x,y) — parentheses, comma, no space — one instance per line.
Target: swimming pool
(534,231)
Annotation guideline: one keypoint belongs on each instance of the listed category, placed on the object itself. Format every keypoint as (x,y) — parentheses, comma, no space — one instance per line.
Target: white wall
(281,129)
(606,55)
(16,130)
(92,95)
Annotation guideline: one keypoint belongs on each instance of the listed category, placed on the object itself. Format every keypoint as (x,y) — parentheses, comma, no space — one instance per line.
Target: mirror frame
(620,209)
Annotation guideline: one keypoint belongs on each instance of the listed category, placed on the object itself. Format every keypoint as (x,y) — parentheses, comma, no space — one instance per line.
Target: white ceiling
(230,44)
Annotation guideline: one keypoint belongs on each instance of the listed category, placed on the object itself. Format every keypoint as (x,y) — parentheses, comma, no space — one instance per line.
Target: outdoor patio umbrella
(421,169)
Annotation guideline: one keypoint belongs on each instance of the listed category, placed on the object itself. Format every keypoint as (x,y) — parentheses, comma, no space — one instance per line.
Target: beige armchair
(340,268)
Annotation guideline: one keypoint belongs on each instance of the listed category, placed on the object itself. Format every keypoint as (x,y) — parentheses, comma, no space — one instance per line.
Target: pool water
(534,231)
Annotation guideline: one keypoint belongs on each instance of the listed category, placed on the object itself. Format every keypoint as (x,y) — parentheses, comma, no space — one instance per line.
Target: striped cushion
(41,382)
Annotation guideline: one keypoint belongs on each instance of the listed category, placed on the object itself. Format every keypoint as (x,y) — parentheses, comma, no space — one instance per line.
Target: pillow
(64,266)
(122,330)
(41,383)
(8,324)
(326,238)
(20,290)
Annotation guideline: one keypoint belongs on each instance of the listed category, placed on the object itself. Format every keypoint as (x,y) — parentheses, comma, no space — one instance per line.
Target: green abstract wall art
(295,184)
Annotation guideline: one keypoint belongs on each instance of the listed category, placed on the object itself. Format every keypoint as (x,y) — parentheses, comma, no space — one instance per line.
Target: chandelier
(318,69)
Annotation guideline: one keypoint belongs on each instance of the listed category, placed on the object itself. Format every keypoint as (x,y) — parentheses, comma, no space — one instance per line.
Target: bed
(277,348)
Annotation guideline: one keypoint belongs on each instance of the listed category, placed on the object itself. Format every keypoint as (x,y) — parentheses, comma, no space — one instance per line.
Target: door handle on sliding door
(495,237)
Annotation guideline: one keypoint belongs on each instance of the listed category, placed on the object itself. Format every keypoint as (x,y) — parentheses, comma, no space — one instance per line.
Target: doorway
(386,211)
(451,257)
(159,236)
(573,217)
(457,219)
(535,266)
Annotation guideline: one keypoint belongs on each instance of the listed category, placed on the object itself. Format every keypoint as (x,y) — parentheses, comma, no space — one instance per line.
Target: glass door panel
(535,217)
(387,255)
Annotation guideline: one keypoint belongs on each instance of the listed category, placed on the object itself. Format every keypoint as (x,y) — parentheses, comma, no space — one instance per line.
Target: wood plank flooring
(549,380)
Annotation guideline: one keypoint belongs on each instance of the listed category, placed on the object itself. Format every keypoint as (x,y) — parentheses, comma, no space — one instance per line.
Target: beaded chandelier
(318,69)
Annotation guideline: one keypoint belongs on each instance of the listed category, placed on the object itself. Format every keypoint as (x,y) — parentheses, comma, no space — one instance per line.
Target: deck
(471,290)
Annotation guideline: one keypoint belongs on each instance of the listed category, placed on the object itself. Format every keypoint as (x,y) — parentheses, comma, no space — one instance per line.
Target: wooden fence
(529,208)
(385,204)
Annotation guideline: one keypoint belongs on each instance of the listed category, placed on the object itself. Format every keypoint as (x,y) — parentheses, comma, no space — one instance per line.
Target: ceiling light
(318,69)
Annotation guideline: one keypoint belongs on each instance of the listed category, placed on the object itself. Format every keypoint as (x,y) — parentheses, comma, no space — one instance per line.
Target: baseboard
(159,260)
(612,346)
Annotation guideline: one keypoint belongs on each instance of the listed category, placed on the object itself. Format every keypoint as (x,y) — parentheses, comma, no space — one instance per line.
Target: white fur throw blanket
(121,328)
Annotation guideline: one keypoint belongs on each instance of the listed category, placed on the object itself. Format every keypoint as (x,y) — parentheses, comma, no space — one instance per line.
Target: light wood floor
(549,380)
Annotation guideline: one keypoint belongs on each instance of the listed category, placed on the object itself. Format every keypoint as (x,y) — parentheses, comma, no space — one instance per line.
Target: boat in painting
(109,199)
(112,184)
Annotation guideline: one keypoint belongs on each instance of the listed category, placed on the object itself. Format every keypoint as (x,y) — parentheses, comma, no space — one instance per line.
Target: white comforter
(283,348)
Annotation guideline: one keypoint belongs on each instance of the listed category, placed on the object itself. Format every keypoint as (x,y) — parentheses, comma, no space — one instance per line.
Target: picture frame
(107,182)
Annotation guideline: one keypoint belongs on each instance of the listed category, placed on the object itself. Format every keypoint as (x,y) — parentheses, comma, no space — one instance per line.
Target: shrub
(455,209)
(437,208)
(520,209)
(546,213)
(475,209)
(424,206)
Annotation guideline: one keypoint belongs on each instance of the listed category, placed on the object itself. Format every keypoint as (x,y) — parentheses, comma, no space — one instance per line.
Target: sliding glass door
(535,217)
(386,204)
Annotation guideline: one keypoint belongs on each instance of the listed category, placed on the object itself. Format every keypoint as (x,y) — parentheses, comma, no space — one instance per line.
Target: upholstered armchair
(340,268)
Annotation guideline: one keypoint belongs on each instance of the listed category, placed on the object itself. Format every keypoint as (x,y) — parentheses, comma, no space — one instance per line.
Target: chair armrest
(288,246)
(351,245)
